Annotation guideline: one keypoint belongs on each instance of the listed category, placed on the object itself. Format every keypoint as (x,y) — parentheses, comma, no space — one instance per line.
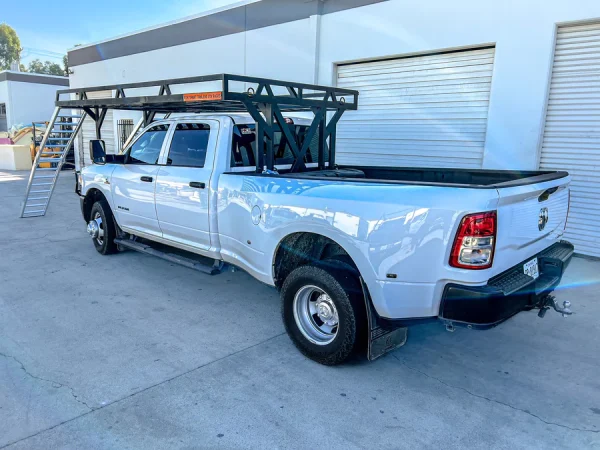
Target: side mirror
(97,151)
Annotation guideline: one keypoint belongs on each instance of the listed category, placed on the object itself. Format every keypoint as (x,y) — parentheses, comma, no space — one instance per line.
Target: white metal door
(88,130)
(423,111)
(183,183)
(572,130)
(133,197)
(134,182)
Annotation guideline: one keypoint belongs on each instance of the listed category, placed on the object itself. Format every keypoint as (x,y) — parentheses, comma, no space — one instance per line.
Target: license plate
(531,268)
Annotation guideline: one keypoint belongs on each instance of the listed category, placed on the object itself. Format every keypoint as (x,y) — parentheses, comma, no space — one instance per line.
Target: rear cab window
(244,146)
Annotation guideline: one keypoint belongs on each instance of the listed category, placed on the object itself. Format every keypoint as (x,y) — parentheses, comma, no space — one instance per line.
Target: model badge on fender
(543,220)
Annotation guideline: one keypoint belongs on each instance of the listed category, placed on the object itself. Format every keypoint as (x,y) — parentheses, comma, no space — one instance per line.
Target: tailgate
(530,218)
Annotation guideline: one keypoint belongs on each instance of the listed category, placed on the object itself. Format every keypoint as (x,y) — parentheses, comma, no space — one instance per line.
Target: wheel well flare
(298,249)
(92,196)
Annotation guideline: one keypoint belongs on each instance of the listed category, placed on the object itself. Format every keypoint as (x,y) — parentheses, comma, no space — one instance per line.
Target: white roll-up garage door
(88,129)
(572,130)
(427,111)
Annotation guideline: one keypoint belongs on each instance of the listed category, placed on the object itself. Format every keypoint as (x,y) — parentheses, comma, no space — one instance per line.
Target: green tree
(65,62)
(47,68)
(53,69)
(10,46)
(36,66)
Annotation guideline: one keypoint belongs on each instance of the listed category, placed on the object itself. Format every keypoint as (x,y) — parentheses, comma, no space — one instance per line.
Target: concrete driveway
(128,351)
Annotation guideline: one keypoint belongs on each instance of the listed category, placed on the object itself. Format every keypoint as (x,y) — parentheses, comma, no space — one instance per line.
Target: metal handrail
(38,156)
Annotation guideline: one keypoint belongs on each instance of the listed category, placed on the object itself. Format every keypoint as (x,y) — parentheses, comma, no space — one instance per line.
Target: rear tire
(323,312)
(105,242)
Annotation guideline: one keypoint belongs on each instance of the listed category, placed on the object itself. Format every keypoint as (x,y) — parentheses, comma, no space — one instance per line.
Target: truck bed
(473,178)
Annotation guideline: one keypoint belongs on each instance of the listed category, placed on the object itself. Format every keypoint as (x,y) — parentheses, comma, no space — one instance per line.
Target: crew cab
(352,250)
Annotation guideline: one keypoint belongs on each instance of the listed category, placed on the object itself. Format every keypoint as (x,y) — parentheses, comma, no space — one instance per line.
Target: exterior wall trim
(235,20)
(542,125)
(540,144)
(24,77)
(464,48)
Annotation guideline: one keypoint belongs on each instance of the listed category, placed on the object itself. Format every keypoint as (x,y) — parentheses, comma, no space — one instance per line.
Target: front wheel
(323,312)
(101,228)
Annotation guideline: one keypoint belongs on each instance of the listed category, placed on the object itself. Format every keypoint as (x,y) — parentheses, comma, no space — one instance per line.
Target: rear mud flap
(381,340)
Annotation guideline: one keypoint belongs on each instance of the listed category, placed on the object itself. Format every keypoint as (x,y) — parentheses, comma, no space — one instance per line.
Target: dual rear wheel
(323,312)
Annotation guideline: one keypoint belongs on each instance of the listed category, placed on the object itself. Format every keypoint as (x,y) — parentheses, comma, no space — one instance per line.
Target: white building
(27,97)
(467,83)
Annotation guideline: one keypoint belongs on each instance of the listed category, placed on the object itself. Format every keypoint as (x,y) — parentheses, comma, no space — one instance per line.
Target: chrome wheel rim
(95,228)
(316,315)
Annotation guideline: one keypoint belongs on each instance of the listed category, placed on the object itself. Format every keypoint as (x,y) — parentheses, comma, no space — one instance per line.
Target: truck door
(183,183)
(133,183)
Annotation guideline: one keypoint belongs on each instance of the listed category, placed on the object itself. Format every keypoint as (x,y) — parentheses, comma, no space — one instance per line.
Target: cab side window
(146,149)
(244,143)
(189,145)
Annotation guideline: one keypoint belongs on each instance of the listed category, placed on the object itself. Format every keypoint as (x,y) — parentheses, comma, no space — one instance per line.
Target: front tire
(104,241)
(323,312)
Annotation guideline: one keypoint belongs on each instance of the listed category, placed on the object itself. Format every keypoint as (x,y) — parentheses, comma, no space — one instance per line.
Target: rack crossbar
(234,92)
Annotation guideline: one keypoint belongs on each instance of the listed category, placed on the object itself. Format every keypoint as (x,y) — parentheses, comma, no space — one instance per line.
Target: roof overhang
(25,77)
(222,22)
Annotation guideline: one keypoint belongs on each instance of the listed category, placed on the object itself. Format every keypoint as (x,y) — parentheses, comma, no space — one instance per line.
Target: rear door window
(189,145)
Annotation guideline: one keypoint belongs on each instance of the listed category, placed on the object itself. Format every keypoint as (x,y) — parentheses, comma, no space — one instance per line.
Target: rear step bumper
(506,294)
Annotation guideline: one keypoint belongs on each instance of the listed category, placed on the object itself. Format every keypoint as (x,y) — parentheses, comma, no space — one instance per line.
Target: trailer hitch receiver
(550,302)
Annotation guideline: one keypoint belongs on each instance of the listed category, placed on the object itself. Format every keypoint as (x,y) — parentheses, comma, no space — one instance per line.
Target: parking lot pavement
(128,351)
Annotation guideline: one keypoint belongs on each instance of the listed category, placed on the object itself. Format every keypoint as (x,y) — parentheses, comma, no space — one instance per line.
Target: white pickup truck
(357,253)
(459,245)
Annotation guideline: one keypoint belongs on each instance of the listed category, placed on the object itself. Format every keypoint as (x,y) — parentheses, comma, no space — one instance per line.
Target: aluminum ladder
(56,144)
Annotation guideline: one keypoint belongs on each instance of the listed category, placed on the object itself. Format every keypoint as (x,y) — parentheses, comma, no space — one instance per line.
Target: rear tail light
(475,241)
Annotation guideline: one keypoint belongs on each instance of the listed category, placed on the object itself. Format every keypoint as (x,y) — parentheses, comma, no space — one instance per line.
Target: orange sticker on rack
(203,97)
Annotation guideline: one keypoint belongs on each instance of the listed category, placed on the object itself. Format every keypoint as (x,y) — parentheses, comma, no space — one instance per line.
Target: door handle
(146,179)
(197,184)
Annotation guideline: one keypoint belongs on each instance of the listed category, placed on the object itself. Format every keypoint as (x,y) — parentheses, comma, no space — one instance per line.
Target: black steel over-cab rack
(264,99)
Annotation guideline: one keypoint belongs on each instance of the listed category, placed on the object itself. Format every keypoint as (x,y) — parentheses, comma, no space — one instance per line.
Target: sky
(47,29)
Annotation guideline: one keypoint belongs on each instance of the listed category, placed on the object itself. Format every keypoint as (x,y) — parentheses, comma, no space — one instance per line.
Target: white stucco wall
(522,31)
(15,157)
(30,102)
(282,51)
